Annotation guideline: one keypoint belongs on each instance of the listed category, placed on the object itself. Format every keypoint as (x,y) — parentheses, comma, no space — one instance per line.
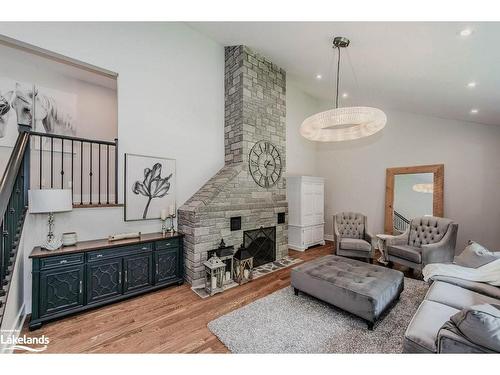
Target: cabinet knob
(99,256)
(81,286)
(64,261)
(145,248)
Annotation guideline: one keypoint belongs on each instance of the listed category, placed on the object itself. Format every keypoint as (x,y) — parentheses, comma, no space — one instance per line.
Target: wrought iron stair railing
(400,223)
(86,166)
(14,187)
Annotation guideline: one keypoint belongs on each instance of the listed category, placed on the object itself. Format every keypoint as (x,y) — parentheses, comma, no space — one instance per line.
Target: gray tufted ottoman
(360,288)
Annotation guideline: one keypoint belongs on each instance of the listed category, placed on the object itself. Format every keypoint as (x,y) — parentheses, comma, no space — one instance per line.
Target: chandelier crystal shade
(345,123)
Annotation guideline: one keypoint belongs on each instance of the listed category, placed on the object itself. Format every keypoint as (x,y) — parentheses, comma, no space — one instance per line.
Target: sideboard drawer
(97,255)
(62,260)
(167,244)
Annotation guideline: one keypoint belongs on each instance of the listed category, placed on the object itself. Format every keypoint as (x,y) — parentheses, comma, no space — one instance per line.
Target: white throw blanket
(489,273)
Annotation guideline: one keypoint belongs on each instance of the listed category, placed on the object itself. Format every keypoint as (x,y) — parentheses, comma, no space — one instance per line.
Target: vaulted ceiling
(419,67)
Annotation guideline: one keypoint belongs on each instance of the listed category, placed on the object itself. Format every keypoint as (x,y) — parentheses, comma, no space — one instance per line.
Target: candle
(214,282)
(171,210)
(163,214)
(246,273)
(228,275)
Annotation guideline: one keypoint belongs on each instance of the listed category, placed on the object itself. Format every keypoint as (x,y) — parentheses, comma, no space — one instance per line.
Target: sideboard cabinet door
(167,265)
(61,289)
(104,280)
(138,272)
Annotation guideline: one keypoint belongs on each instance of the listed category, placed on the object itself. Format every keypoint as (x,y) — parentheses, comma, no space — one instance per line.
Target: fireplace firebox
(262,244)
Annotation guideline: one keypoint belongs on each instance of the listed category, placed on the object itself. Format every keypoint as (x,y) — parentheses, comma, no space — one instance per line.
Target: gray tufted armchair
(428,239)
(351,235)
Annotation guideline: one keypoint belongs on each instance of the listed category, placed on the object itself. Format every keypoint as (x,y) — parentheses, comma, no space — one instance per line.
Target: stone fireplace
(231,205)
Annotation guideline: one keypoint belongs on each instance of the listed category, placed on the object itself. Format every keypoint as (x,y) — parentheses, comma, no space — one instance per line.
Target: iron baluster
(40,161)
(107,174)
(99,179)
(90,174)
(51,162)
(62,163)
(81,172)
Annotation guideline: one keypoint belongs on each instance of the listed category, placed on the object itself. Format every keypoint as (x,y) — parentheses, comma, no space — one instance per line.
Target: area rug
(285,323)
(257,272)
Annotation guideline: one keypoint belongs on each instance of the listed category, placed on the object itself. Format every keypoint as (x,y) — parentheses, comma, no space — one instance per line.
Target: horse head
(22,102)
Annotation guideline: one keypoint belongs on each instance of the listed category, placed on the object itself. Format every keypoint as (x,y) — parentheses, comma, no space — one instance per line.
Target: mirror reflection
(413,197)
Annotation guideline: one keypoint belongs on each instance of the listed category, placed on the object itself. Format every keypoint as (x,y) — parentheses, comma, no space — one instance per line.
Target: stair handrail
(11,170)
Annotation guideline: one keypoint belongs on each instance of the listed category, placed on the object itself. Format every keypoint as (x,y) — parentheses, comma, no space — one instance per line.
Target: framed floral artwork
(149,186)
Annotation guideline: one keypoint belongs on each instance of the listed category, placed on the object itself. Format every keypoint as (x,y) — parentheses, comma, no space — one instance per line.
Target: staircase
(43,161)
(14,187)
(399,222)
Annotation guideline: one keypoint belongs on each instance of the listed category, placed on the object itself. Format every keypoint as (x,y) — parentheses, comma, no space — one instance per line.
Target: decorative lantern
(225,254)
(243,266)
(214,275)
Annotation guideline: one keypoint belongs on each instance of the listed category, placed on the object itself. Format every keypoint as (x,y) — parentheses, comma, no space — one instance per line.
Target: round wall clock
(264,162)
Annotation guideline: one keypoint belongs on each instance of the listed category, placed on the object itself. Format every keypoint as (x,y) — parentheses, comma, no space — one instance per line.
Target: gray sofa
(428,239)
(431,331)
(351,235)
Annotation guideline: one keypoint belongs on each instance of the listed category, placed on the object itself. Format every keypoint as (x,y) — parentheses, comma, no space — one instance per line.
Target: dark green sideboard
(100,272)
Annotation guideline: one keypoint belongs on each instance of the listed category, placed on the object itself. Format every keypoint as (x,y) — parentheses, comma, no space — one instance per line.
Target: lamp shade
(50,200)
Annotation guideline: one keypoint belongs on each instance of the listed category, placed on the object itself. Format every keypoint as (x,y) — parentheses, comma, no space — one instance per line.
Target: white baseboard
(329,237)
(16,328)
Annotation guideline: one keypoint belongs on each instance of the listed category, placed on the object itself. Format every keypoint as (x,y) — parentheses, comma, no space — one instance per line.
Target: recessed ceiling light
(345,95)
(319,76)
(473,111)
(471,84)
(466,32)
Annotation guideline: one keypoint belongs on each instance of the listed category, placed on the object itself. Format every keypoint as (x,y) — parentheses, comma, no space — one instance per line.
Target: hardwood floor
(173,320)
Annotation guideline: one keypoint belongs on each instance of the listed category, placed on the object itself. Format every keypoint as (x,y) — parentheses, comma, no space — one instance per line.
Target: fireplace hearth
(261,243)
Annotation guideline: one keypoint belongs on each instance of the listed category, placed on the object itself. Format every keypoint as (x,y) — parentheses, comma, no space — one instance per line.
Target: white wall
(300,153)
(170,104)
(355,172)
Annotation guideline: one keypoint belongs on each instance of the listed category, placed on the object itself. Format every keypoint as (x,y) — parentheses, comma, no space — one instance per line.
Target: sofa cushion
(355,244)
(480,324)
(413,254)
(423,329)
(475,255)
(455,296)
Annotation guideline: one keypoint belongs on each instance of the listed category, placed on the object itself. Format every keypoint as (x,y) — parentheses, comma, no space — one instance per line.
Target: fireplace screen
(262,244)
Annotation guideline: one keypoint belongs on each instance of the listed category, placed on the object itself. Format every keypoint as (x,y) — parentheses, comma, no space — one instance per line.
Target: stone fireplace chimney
(255,110)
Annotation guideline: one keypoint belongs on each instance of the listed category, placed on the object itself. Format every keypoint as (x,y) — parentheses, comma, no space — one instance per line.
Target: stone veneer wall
(255,110)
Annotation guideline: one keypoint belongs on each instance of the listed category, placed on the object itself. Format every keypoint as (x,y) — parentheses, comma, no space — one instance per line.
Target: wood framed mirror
(412,192)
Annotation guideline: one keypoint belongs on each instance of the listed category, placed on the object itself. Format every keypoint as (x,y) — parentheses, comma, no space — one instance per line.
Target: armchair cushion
(355,244)
(413,254)
(480,324)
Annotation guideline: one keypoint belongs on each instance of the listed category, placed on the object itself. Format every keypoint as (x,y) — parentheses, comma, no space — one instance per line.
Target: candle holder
(163,227)
(171,229)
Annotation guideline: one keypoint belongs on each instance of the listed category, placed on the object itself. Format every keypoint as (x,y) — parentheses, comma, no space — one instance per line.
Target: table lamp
(42,201)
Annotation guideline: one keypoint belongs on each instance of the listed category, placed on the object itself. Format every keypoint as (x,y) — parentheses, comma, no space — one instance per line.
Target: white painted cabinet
(306,212)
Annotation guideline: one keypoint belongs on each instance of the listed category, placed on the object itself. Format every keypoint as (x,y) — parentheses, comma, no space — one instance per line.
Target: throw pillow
(475,255)
(480,324)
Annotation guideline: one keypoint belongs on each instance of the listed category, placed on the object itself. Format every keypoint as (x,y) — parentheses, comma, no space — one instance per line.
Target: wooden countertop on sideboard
(84,246)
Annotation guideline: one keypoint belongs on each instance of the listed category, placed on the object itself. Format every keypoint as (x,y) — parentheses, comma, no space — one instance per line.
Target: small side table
(382,246)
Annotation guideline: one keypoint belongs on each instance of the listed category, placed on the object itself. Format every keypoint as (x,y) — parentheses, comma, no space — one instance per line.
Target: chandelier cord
(338,80)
